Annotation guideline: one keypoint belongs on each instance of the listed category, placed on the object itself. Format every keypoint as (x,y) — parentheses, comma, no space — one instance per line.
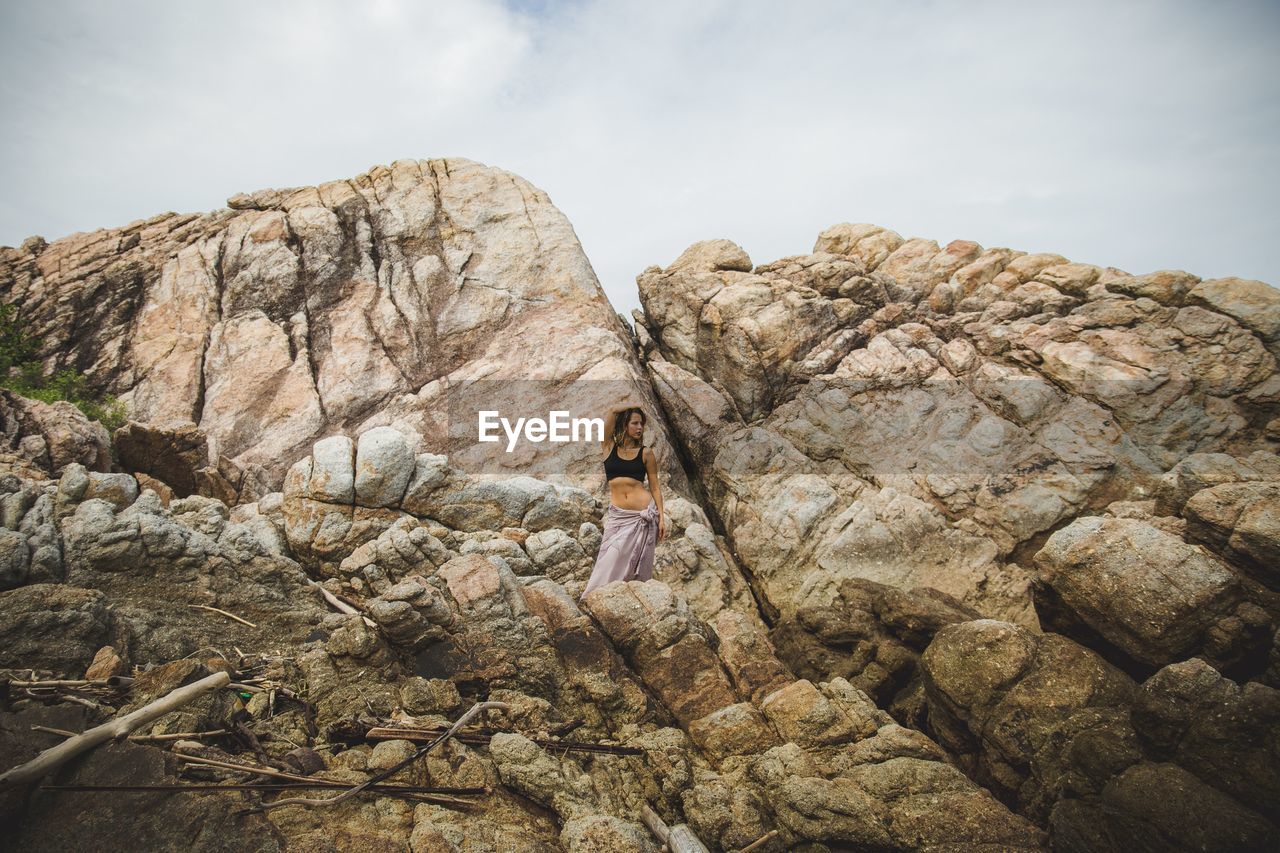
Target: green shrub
(16,349)
(22,373)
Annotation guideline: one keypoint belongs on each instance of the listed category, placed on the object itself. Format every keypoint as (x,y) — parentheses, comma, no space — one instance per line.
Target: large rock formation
(417,294)
(890,410)
(968,549)
(41,439)
(1186,762)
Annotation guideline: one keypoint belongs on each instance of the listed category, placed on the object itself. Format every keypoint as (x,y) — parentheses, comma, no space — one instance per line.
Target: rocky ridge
(976,548)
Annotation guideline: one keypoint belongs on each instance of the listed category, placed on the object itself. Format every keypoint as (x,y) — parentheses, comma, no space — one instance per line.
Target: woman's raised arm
(610,419)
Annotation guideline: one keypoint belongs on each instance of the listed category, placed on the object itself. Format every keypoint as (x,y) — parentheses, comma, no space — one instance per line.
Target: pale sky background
(1141,135)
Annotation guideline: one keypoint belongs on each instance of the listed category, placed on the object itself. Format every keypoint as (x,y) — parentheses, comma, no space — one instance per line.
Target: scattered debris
(117,729)
(385,774)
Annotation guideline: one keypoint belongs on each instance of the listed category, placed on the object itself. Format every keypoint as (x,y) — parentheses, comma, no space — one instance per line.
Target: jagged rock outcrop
(41,439)
(872,635)
(708,703)
(1147,593)
(813,762)
(1011,704)
(374,509)
(1182,762)
(922,416)
(175,460)
(969,549)
(416,293)
(1218,729)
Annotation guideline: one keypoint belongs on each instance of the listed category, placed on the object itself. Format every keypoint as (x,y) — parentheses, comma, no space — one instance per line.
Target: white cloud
(1139,136)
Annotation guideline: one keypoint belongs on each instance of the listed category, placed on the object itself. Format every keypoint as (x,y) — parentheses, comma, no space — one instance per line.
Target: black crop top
(616,466)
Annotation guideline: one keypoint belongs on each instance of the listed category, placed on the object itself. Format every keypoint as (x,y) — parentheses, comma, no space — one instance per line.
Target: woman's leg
(612,560)
(648,545)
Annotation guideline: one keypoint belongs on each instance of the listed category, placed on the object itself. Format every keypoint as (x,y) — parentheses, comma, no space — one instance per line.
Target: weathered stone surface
(883,433)
(871,634)
(55,822)
(1159,807)
(1254,304)
(732,730)
(749,657)
(1148,593)
(55,628)
(1029,715)
(1204,470)
(671,649)
(918,416)
(710,313)
(1168,287)
(383,467)
(413,290)
(30,542)
(1242,522)
(177,457)
(1221,731)
(820,716)
(47,437)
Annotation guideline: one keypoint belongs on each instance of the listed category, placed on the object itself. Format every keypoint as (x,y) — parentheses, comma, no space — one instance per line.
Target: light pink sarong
(626,546)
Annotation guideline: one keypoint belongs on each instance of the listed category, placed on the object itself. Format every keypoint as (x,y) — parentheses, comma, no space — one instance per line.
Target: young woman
(633,523)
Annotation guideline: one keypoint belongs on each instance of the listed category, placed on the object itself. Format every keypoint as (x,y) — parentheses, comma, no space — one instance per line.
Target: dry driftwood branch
(351,792)
(481,738)
(244,768)
(678,839)
(223,613)
(58,683)
(341,606)
(141,738)
(263,786)
(88,703)
(435,795)
(117,729)
(319,782)
(114,682)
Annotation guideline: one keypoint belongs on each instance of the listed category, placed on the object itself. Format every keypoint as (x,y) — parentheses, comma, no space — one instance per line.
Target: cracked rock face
(1151,595)
(915,415)
(294,314)
(41,439)
(968,548)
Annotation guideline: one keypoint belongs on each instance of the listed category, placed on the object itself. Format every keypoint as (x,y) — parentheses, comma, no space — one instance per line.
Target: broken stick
(117,729)
(760,842)
(341,606)
(223,613)
(678,839)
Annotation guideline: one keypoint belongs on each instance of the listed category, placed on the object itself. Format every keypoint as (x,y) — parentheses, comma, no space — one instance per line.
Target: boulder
(1144,591)
(45,437)
(1035,717)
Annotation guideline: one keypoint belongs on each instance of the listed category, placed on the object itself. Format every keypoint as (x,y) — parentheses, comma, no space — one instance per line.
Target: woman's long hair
(620,426)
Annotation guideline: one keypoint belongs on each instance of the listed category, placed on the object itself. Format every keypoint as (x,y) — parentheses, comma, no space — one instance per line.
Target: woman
(633,523)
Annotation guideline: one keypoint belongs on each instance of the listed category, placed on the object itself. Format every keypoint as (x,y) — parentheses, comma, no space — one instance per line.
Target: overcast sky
(1141,135)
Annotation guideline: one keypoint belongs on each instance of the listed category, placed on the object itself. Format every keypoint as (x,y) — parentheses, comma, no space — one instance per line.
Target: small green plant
(22,373)
(16,349)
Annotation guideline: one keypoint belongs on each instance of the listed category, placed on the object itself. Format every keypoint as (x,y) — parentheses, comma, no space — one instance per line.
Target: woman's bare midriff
(626,493)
